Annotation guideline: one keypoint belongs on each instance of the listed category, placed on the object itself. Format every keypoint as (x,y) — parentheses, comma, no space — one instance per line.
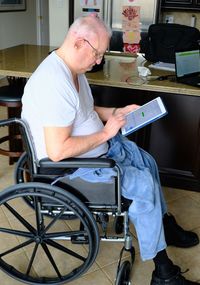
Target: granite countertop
(122,71)
(118,71)
(22,60)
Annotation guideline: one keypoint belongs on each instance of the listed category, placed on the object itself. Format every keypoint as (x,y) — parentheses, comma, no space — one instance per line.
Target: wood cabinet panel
(174,141)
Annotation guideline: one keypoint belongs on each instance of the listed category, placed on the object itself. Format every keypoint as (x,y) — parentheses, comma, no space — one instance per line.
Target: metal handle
(7,122)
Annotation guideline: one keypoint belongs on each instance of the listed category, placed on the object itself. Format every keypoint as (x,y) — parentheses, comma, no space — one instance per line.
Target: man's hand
(118,120)
(127,109)
(113,125)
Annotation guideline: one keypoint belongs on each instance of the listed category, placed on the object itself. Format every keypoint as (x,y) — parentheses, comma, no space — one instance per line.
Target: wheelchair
(59,223)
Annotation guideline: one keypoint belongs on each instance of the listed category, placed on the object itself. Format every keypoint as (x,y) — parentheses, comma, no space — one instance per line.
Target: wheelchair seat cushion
(96,193)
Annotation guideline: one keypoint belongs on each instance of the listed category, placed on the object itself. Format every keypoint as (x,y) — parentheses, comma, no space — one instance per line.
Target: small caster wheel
(123,274)
(132,253)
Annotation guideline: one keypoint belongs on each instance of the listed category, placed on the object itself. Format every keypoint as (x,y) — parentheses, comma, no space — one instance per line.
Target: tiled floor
(184,204)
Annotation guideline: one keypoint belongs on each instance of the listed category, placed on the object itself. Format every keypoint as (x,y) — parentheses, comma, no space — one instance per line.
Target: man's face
(93,52)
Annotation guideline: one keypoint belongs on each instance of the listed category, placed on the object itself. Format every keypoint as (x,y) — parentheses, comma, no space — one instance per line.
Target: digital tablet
(144,115)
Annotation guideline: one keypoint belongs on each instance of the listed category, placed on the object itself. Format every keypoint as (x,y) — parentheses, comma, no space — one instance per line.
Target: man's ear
(79,43)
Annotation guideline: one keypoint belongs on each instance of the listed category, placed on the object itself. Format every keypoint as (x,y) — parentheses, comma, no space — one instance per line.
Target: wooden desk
(174,141)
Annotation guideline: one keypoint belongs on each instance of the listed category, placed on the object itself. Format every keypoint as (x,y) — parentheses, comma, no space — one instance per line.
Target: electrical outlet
(169,19)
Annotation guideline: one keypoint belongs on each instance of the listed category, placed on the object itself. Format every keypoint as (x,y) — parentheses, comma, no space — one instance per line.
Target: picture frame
(12,5)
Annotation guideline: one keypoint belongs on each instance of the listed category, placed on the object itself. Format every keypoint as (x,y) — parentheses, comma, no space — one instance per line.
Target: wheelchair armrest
(78,162)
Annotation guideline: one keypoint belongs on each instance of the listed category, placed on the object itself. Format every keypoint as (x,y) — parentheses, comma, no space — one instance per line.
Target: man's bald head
(89,26)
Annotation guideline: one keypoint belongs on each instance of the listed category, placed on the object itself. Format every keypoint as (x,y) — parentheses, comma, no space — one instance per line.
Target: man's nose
(98,61)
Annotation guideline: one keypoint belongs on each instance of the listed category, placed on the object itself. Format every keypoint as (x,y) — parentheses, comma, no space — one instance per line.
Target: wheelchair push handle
(8,122)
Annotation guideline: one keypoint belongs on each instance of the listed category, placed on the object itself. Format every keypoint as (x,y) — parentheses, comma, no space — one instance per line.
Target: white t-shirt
(51,99)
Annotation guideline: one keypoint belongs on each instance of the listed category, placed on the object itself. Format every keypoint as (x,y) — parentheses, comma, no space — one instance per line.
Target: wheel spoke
(17,247)
(20,218)
(17,232)
(24,169)
(66,250)
(53,221)
(64,234)
(46,250)
(32,259)
(39,220)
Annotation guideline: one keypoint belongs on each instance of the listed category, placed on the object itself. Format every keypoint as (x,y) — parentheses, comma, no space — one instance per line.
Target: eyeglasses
(96,53)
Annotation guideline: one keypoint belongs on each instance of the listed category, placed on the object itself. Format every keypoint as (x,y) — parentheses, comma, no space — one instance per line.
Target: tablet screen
(144,115)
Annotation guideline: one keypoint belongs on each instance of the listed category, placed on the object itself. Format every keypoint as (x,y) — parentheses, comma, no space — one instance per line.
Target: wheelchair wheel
(38,250)
(21,173)
(123,275)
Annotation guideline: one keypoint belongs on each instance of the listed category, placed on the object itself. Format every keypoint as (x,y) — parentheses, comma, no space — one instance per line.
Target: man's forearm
(75,145)
(104,112)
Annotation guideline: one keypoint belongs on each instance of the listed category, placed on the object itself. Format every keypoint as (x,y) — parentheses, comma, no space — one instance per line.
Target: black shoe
(177,236)
(175,279)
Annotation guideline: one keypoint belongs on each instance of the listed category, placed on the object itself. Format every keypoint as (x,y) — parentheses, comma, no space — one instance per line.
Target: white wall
(21,28)
(58,21)
(18,27)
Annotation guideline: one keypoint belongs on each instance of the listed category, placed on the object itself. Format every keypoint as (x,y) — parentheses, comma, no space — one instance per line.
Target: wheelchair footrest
(79,240)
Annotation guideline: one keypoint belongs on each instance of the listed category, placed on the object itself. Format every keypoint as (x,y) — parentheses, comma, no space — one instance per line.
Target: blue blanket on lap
(137,181)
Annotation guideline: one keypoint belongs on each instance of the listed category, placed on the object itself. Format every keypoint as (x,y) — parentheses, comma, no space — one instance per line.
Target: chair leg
(15,145)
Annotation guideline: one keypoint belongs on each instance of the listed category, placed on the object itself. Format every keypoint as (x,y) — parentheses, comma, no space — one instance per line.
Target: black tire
(49,260)
(123,275)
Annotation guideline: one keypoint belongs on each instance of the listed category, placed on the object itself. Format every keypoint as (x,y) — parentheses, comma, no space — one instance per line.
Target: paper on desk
(163,66)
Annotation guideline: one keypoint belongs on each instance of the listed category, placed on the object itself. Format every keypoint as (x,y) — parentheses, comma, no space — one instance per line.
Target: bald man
(59,109)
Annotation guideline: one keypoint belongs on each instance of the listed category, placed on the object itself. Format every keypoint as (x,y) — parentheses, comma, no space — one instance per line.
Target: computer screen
(187,62)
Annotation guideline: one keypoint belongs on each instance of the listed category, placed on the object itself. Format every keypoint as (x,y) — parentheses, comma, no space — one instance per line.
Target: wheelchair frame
(51,205)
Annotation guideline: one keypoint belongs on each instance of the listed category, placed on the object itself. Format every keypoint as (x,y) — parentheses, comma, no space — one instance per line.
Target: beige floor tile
(7,280)
(172,194)
(21,266)
(109,253)
(187,259)
(6,173)
(94,278)
(21,208)
(140,274)
(7,241)
(3,217)
(186,210)
(194,195)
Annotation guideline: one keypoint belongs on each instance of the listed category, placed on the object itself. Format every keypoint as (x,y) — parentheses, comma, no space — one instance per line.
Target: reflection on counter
(122,71)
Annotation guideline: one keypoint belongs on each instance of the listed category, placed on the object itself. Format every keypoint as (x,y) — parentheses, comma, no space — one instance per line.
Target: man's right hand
(114,124)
